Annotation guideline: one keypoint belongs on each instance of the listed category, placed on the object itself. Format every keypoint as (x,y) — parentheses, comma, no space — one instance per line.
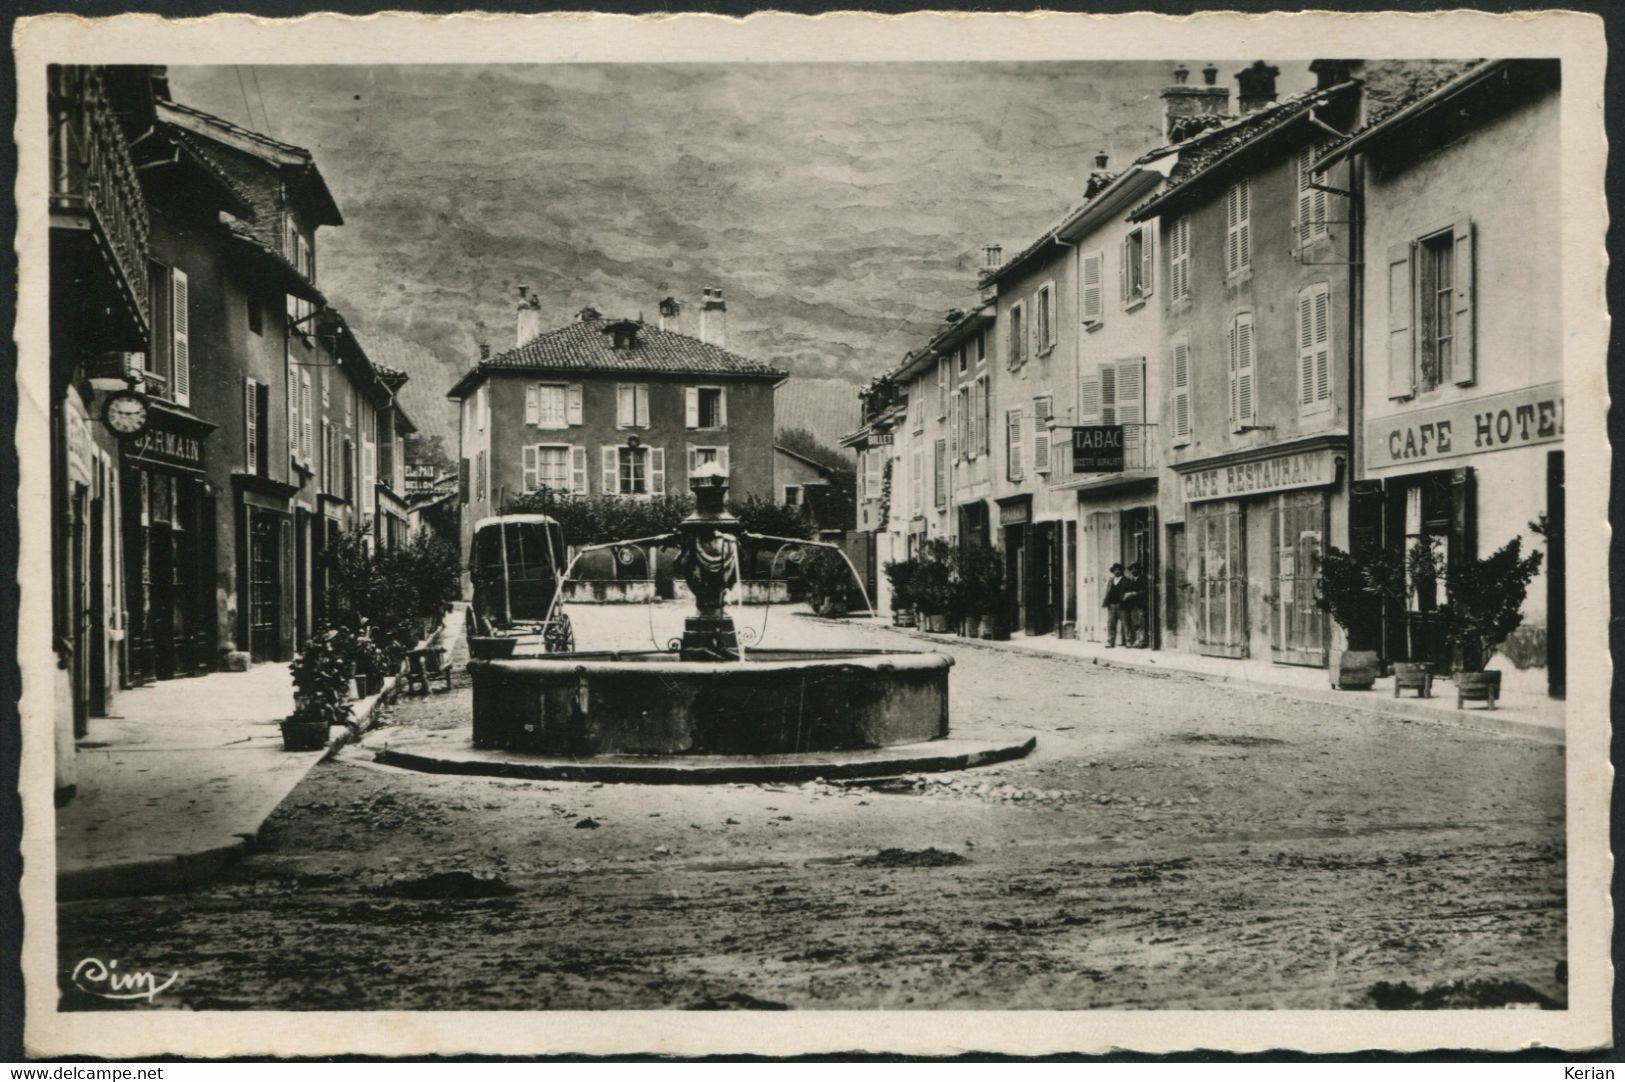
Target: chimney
(588,314)
(670,309)
(714,318)
(1099,178)
(1333,72)
(1183,104)
(1257,86)
(992,256)
(530,318)
(483,340)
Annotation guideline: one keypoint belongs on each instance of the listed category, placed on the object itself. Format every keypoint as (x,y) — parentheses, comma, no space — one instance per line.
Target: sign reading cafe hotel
(1471,426)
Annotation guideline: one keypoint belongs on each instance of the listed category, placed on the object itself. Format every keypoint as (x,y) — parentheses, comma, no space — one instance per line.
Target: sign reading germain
(1097,449)
(163,448)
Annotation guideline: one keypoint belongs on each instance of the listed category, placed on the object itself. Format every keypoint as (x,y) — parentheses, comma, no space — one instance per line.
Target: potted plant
(900,574)
(371,664)
(829,582)
(1483,607)
(932,585)
(1351,589)
(982,594)
(321,687)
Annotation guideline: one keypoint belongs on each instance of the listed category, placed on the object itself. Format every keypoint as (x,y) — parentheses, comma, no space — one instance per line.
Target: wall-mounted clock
(126,413)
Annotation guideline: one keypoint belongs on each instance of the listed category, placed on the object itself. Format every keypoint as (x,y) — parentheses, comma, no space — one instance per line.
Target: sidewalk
(1519,713)
(180,782)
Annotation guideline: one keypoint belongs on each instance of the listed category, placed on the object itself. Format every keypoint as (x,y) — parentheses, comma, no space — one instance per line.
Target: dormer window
(623,333)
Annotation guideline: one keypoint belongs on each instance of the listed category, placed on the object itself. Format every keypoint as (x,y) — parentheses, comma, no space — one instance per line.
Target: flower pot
(1484,687)
(1413,676)
(1352,670)
(902,618)
(303,734)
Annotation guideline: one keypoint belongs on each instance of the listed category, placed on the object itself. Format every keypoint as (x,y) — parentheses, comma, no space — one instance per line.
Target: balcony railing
(92,174)
(1142,453)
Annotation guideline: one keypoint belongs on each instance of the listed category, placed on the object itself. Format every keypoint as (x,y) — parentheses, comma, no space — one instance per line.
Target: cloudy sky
(842,208)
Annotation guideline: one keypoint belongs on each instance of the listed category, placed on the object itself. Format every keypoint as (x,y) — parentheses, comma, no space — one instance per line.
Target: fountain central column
(708,561)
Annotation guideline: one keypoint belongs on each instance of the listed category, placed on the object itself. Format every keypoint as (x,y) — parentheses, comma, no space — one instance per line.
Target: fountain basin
(777,702)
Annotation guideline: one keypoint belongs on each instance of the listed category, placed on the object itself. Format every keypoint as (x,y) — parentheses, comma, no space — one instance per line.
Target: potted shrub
(933,585)
(371,664)
(1483,606)
(321,688)
(829,583)
(1351,590)
(900,574)
(982,594)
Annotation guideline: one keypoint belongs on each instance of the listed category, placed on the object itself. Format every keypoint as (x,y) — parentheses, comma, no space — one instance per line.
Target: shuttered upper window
(1043,410)
(1012,444)
(1431,337)
(1135,266)
(1093,293)
(1238,211)
(1180,361)
(1314,349)
(1311,221)
(1242,405)
(1179,259)
(553,405)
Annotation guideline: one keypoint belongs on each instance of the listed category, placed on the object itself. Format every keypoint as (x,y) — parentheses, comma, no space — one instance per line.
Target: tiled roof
(1211,148)
(194,148)
(289,276)
(1442,84)
(285,157)
(584,346)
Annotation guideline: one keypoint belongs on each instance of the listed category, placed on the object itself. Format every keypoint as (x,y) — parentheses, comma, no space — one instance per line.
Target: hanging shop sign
(880,439)
(1097,449)
(1302,469)
(1473,426)
(1016,512)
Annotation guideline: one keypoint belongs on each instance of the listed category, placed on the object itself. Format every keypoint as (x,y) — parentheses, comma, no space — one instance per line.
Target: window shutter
(1040,445)
(572,404)
(1401,364)
(1108,394)
(722,457)
(578,470)
(251,425)
(1122,271)
(1182,390)
(1243,362)
(180,329)
(1093,308)
(1306,203)
(1323,344)
(640,404)
(722,407)
(1230,219)
(1089,409)
(1130,403)
(611,475)
(1244,201)
(942,387)
(1179,250)
(1306,347)
(657,471)
(306,417)
(1465,365)
(529,469)
(693,460)
(941,472)
(1012,444)
(691,407)
(1148,262)
(623,404)
(533,409)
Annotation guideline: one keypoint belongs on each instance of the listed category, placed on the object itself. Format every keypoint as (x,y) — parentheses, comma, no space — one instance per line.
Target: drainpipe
(1067,571)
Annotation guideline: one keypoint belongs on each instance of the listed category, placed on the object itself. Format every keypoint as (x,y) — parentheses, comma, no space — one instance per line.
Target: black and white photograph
(906,519)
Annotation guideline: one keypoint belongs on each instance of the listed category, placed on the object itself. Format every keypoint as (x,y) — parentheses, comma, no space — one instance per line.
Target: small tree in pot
(1483,606)
(900,574)
(1352,590)
(321,689)
(982,594)
(932,584)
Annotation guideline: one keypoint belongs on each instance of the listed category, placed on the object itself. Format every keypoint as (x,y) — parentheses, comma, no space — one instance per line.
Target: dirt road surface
(1172,843)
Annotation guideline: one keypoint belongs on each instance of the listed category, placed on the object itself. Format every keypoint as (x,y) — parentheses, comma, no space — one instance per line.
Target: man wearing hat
(1134,590)
(1114,607)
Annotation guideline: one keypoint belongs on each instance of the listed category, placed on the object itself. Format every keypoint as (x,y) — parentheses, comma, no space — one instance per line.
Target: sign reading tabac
(1304,469)
(1097,449)
(1472,426)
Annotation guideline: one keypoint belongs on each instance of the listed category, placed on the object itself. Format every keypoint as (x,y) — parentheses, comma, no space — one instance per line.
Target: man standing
(1134,608)
(1114,607)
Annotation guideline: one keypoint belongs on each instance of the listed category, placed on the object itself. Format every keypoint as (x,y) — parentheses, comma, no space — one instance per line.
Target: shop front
(1243,567)
(168,510)
(1464,478)
(1116,524)
(268,556)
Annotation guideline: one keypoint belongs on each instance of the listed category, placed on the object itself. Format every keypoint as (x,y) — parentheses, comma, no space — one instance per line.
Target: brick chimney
(1333,72)
(1181,102)
(483,339)
(530,316)
(1257,86)
(714,318)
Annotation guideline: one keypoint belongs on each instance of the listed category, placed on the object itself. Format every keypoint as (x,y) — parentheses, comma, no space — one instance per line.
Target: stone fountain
(710,707)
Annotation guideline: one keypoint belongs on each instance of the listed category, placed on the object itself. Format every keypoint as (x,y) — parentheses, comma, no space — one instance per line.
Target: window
(1017,354)
(256,315)
(634,471)
(328,467)
(553,405)
(1012,444)
(871,474)
(1238,212)
(350,464)
(1135,267)
(1314,349)
(1046,317)
(1180,362)
(1179,259)
(1093,293)
(942,387)
(705,407)
(983,417)
(704,456)
(916,481)
(256,425)
(981,346)
(792,495)
(964,357)
(1242,413)
(1043,413)
(940,464)
(180,337)
(1114,394)
(307,419)
(1430,311)
(961,425)
(1435,305)
(1311,221)
(547,466)
(632,405)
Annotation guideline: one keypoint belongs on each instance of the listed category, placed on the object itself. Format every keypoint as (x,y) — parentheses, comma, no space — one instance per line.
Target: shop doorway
(1015,574)
(1298,628)
(1176,587)
(1139,532)
(264,587)
(1221,580)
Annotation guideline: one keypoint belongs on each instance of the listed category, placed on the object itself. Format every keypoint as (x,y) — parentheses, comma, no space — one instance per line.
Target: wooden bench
(424,667)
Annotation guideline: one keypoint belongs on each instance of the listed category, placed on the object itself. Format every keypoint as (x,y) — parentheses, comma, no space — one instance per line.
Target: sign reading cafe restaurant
(1303,469)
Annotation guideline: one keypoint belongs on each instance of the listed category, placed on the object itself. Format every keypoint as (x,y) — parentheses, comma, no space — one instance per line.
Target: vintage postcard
(1020,533)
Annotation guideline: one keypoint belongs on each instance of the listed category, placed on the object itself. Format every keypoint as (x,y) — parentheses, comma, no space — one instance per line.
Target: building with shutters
(1258,250)
(611,407)
(1462,433)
